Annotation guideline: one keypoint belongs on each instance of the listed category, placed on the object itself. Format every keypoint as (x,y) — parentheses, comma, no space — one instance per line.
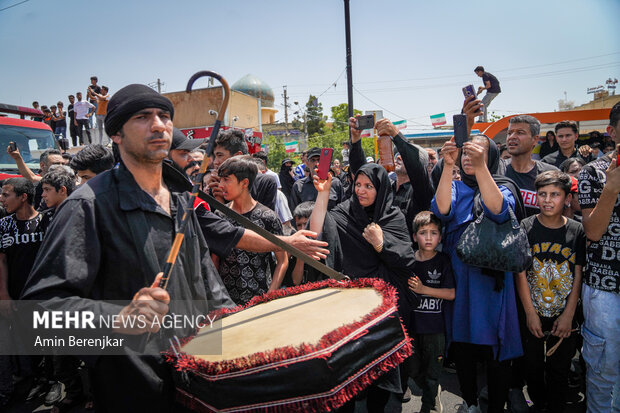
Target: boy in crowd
(550,291)
(566,136)
(91,161)
(247,274)
(297,272)
(432,283)
(57,183)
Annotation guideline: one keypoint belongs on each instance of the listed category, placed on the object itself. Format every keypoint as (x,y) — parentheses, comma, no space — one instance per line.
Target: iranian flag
(290,147)
(401,124)
(438,119)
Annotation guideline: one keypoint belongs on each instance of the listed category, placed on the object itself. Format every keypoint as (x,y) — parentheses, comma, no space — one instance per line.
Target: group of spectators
(402,227)
(83,116)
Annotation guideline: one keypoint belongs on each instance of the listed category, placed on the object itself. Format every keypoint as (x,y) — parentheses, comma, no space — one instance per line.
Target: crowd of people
(82,116)
(101,224)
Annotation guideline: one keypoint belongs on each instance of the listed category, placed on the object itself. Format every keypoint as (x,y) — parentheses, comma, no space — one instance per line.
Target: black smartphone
(365,122)
(12,146)
(460,130)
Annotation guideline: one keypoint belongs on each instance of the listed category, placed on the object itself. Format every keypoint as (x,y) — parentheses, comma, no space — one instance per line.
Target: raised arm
(317,219)
(443,196)
(357,158)
(491,195)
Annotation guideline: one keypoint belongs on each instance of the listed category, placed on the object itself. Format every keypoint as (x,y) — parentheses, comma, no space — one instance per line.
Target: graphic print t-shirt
(427,316)
(555,252)
(248,274)
(603,268)
(525,182)
(20,242)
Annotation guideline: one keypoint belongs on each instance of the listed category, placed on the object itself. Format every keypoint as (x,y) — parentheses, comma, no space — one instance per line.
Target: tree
(314,116)
(277,151)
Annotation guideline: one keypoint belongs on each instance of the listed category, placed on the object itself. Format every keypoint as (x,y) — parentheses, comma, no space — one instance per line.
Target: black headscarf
(351,254)
(286,180)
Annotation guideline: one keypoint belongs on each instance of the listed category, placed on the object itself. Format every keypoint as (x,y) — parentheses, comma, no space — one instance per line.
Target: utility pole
(347,28)
(158,85)
(285,112)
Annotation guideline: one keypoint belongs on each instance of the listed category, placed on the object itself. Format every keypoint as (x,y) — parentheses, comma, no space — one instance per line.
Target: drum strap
(246,223)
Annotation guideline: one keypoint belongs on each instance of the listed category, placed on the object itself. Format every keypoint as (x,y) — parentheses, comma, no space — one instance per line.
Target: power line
(16,4)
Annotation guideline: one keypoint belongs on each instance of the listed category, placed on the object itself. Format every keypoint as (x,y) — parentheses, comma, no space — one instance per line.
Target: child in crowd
(432,283)
(57,184)
(549,291)
(298,272)
(248,274)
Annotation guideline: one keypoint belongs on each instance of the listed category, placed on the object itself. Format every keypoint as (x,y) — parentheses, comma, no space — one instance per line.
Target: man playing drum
(110,239)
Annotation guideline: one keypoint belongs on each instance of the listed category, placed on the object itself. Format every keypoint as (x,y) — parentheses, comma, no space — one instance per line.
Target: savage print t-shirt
(20,242)
(555,252)
(427,316)
(603,256)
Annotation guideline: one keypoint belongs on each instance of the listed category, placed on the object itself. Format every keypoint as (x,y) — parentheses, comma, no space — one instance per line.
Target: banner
(291,147)
(438,119)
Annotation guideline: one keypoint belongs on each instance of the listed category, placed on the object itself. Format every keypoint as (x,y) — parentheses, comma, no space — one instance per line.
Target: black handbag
(500,247)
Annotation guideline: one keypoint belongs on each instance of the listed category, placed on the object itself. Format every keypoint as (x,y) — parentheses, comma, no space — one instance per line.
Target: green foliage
(494,117)
(340,115)
(314,116)
(277,152)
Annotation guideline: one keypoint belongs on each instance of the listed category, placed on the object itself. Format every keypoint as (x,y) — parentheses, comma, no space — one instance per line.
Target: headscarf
(286,180)
(353,255)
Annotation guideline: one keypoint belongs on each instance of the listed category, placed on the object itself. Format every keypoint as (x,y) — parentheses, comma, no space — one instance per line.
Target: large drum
(307,348)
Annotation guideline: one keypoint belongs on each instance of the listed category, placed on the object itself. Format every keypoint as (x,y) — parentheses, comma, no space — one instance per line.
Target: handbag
(500,247)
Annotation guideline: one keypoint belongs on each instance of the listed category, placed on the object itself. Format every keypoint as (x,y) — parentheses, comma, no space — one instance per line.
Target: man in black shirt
(93,87)
(110,239)
(491,85)
(304,190)
(522,136)
(72,128)
(566,137)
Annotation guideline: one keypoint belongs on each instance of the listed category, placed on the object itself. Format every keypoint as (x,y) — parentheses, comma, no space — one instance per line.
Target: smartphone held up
(325,161)
(460,130)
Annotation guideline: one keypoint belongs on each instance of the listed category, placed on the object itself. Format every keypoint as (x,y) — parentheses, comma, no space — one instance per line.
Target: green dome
(253,86)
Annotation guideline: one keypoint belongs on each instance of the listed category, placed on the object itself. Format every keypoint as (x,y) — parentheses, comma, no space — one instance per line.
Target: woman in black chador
(368,237)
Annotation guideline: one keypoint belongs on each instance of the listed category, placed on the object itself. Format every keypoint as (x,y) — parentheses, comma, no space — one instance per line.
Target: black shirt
(265,190)
(555,253)
(427,316)
(107,241)
(603,263)
(486,76)
(97,89)
(20,242)
(71,113)
(556,158)
(304,190)
(525,182)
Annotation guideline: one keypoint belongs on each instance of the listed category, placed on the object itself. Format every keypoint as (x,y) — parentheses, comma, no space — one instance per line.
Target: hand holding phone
(12,146)
(365,122)
(325,162)
(469,91)
(460,130)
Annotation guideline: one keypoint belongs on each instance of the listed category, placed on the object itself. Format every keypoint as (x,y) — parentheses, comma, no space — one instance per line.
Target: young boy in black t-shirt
(248,274)
(549,291)
(432,282)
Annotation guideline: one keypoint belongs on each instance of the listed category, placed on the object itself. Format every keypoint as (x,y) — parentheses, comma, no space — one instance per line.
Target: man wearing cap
(304,190)
(181,148)
(110,239)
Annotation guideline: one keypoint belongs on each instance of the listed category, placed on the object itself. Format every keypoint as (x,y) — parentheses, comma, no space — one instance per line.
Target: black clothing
(287,181)
(351,254)
(498,374)
(555,253)
(72,127)
(96,89)
(428,314)
(265,190)
(603,267)
(107,241)
(547,377)
(304,190)
(248,274)
(525,182)
(414,196)
(220,235)
(20,242)
(487,77)
(546,148)
(556,158)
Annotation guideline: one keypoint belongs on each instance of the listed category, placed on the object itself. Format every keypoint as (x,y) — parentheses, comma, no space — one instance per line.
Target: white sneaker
(438,406)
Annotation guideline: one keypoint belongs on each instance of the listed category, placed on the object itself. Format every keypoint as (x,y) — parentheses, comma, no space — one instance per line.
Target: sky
(409,58)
